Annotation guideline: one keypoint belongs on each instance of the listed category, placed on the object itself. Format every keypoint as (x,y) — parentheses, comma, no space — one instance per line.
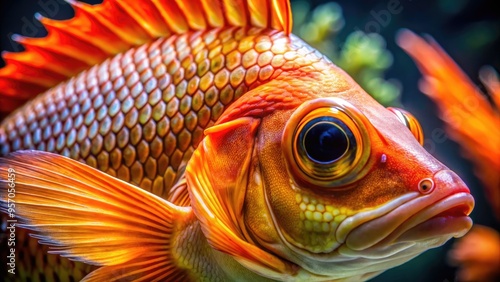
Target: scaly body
(139,116)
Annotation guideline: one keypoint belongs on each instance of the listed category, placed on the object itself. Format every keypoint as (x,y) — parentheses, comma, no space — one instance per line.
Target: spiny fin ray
(84,40)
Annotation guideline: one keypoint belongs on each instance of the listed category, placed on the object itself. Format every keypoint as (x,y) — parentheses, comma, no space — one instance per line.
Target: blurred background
(359,36)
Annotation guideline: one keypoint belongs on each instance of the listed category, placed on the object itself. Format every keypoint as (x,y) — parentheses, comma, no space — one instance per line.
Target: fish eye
(326,143)
(410,122)
(325,139)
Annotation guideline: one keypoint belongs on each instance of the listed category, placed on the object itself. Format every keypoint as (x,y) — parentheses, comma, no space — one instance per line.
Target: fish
(472,119)
(206,142)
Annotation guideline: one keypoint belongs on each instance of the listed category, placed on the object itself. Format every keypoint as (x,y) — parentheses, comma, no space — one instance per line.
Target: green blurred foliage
(363,56)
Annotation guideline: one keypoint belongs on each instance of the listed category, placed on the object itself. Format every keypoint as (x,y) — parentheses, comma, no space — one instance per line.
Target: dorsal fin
(97,32)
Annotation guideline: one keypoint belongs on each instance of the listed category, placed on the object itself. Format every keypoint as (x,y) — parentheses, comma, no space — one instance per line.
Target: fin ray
(71,205)
(84,40)
(147,268)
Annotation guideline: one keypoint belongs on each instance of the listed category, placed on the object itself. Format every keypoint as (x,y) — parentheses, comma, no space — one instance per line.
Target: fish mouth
(421,220)
(447,218)
(377,239)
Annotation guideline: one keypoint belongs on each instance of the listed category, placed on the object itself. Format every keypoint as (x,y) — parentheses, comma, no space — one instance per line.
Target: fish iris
(326,143)
(325,139)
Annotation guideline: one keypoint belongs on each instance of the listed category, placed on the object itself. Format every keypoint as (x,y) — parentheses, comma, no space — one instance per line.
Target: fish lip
(447,218)
(418,219)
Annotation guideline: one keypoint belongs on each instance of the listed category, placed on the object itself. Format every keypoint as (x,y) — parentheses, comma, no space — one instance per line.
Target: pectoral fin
(89,216)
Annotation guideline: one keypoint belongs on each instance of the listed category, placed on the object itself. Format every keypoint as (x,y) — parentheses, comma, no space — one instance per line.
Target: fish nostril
(425,186)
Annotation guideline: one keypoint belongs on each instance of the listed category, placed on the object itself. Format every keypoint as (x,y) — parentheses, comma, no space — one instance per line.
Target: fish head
(337,185)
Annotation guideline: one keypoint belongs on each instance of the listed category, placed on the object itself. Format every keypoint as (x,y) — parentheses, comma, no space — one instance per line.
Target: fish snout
(443,183)
(448,196)
(451,194)
(440,212)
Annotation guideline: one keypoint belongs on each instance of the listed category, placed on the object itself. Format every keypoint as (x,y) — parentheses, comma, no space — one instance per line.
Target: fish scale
(139,115)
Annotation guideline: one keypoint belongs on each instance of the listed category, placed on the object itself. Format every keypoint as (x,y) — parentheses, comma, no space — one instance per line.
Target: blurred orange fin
(97,32)
(470,118)
(89,216)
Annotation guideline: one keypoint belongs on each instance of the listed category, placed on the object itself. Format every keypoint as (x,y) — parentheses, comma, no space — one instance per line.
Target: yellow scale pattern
(139,115)
(320,221)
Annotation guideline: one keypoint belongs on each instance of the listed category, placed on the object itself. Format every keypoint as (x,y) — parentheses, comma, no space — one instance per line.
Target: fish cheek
(258,217)
(378,187)
(279,194)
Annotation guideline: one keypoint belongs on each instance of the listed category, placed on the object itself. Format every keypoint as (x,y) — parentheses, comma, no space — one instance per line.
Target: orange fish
(205,142)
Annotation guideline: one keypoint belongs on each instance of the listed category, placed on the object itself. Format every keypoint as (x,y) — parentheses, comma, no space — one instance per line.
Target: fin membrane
(89,216)
(97,32)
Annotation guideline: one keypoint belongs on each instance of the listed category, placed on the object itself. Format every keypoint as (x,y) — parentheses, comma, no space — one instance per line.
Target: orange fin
(75,44)
(470,119)
(89,216)
(217,178)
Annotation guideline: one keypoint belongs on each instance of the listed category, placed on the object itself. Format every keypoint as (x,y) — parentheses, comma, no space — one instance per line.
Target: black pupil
(324,141)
